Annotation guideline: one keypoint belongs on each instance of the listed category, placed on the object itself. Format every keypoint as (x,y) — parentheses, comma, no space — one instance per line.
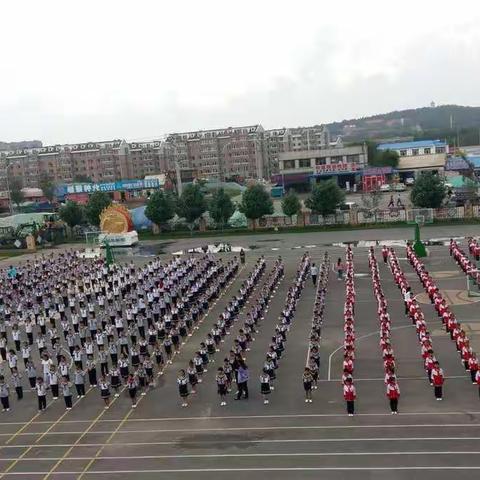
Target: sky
(93,70)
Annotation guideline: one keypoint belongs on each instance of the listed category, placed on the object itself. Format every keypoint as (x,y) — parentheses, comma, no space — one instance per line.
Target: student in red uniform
(438,379)
(349,394)
(393,394)
(477,378)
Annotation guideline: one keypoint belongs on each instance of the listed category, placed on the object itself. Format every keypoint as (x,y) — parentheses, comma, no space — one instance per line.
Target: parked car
(409,181)
(399,187)
(385,187)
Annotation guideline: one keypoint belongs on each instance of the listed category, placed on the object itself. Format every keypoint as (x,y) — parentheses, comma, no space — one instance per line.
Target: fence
(363,216)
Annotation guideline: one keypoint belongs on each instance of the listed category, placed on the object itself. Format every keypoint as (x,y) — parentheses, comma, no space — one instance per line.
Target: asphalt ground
(287,438)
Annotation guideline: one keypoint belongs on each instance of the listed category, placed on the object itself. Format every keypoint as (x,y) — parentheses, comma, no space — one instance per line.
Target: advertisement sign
(328,169)
(456,164)
(108,186)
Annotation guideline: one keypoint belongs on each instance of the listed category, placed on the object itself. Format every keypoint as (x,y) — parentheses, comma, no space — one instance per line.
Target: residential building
(345,164)
(221,153)
(418,156)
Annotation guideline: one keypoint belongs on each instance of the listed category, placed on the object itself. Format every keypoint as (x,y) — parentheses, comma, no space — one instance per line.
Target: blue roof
(475,159)
(407,145)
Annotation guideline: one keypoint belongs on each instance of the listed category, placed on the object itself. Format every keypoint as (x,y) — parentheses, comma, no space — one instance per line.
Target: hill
(451,122)
(20,145)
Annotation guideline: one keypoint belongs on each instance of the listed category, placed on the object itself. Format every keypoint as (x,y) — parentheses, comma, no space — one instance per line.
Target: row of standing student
(311,372)
(198,365)
(275,348)
(413,311)
(349,390)
(468,358)
(388,355)
(57,378)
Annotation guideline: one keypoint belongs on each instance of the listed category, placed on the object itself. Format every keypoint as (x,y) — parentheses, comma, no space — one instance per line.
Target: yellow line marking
(125,418)
(25,453)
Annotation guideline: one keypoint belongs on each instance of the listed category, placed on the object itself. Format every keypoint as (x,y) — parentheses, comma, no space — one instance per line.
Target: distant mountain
(20,145)
(452,122)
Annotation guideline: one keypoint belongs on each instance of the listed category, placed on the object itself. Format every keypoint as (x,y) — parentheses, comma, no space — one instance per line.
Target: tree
(191,204)
(16,194)
(381,158)
(291,204)
(47,185)
(221,207)
(96,203)
(160,207)
(71,213)
(428,191)
(256,203)
(325,198)
(82,179)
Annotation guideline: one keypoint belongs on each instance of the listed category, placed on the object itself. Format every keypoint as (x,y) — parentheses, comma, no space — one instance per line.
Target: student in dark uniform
(182,382)
(222,381)
(307,385)
(265,385)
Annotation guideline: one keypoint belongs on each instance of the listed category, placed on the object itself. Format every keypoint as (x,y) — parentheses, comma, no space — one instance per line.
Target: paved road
(287,438)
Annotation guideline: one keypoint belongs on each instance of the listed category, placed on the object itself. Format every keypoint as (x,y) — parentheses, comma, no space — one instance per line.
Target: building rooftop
(415,144)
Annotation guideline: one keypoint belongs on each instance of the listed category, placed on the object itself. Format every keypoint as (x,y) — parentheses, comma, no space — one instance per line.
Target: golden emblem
(115,219)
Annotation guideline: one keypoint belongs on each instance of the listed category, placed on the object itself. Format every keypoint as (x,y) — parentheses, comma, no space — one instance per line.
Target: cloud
(119,69)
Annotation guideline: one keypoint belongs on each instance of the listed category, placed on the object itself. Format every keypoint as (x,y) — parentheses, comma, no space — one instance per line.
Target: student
(115,379)
(350,395)
(41,394)
(17,384)
(4,394)
(31,374)
(314,273)
(132,389)
(340,268)
(242,380)
(79,380)
(221,380)
(307,384)
(53,381)
(105,391)
(182,382)
(393,394)
(438,380)
(66,387)
(265,388)
(192,376)
(92,373)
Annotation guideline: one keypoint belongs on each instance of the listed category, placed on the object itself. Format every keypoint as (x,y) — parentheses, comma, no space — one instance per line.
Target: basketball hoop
(420,220)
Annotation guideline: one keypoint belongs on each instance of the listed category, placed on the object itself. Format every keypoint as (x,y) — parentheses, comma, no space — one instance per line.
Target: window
(427,151)
(320,161)
(304,163)
(353,158)
(288,164)
(336,159)
(403,153)
(439,149)
(414,151)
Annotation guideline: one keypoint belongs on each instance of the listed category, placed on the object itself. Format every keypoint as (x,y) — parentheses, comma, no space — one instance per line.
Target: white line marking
(376,332)
(245,455)
(239,429)
(237,442)
(260,469)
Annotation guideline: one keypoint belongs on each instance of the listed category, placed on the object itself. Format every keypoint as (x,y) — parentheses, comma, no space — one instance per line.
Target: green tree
(47,185)
(428,191)
(16,194)
(383,158)
(160,207)
(291,204)
(221,207)
(96,203)
(256,203)
(71,213)
(325,198)
(191,204)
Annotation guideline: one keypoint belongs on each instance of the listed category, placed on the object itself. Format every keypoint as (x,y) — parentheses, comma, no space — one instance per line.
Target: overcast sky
(99,69)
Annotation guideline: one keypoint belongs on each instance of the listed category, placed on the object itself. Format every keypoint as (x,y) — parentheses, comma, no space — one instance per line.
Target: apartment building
(246,152)
(221,153)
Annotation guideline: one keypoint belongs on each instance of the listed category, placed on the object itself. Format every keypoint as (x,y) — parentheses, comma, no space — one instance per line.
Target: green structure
(109,256)
(418,246)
